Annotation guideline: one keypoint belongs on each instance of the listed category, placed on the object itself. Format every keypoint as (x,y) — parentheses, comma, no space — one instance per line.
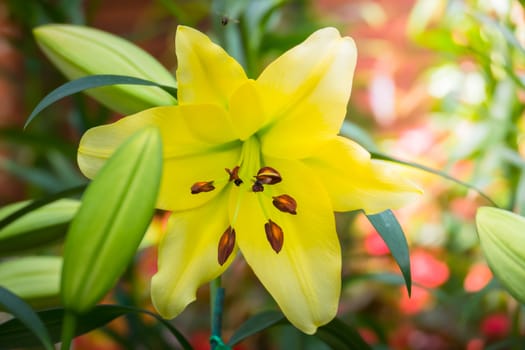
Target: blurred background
(438,82)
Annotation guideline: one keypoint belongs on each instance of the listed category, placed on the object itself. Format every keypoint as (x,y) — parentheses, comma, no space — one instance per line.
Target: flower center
(252,174)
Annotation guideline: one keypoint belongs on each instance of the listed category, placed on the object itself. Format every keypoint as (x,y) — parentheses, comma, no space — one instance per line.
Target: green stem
(217,300)
(516,326)
(68,329)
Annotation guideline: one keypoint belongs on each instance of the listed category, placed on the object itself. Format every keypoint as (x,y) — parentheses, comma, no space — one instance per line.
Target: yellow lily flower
(257,165)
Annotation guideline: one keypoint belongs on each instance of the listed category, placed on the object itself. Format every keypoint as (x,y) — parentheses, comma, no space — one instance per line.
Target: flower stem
(68,329)
(217,300)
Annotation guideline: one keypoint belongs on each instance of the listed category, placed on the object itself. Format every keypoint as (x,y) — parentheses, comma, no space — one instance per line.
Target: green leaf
(502,236)
(90,82)
(340,336)
(16,335)
(35,279)
(255,324)
(336,333)
(115,212)
(79,51)
(43,225)
(389,229)
(28,320)
(41,178)
(38,142)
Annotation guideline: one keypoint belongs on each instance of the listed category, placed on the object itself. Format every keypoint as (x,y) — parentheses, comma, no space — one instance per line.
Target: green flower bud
(79,51)
(44,225)
(113,217)
(502,237)
(35,279)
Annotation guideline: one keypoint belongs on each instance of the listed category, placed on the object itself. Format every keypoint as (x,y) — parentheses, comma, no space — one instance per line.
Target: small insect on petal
(257,187)
(268,176)
(234,175)
(285,203)
(226,245)
(275,235)
(202,186)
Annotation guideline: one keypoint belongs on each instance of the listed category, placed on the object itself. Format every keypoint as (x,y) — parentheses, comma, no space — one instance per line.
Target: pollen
(268,176)
(275,235)
(285,203)
(202,186)
(226,245)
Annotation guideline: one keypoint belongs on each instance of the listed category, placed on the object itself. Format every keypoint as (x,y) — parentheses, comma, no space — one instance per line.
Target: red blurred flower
(478,276)
(496,326)
(417,301)
(427,270)
(374,244)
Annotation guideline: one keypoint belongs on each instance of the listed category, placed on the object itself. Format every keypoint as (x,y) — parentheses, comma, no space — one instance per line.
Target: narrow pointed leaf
(340,336)
(38,227)
(27,318)
(256,324)
(115,212)
(389,229)
(90,82)
(14,334)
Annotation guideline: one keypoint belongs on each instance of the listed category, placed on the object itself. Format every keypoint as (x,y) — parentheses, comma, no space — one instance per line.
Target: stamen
(275,235)
(268,176)
(285,203)
(257,186)
(234,175)
(226,245)
(202,186)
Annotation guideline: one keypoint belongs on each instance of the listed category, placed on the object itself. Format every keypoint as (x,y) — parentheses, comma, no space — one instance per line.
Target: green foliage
(77,52)
(36,279)
(27,318)
(15,334)
(90,82)
(502,234)
(37,228)
(122,199)
(388,227)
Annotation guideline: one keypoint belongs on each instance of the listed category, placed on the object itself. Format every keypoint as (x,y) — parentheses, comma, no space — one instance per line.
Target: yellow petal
(304,278)
(306,93)
(246,110)
(354,181)
(197,146)
(188,256)
(205,73)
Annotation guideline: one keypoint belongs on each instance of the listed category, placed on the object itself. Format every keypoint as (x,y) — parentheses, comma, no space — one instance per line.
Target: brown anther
(268,176)
(202,186)
(285,203)
(257,186)
(226,245)
(275,235)
(234,175)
